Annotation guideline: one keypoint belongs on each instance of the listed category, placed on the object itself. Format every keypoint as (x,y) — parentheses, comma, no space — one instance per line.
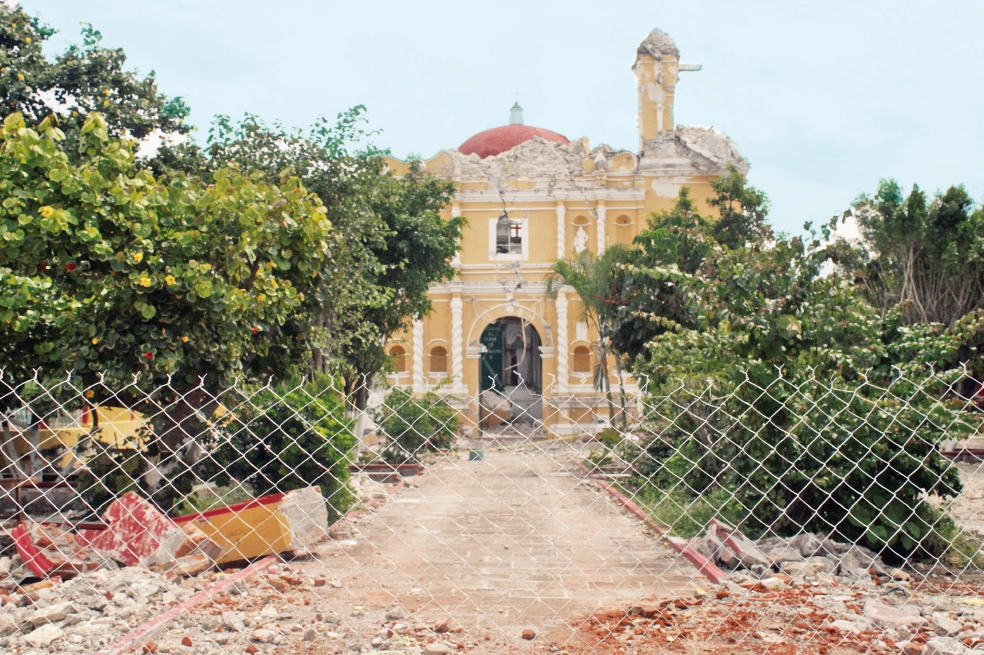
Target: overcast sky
(823,98)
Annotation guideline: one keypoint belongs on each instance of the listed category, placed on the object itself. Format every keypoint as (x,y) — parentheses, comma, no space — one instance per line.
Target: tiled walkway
(514,541)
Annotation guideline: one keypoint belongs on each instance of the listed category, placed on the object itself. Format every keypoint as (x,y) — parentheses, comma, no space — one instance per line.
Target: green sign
(490,368)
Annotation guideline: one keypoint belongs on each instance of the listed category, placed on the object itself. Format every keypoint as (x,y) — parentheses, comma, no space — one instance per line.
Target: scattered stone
(886,616)
(802,569)
(910,647)
(528,634)
(779,556)
(234,621)
(846,626)
(41,637)
(443,626)
(806,544)
(7,625)
(944,646)
(436,648)
(396,613)
(309,635)
(945,626)
(186,641)
(263,635)
(51,614)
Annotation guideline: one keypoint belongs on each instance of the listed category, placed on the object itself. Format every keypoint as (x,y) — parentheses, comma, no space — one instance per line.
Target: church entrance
(511,373)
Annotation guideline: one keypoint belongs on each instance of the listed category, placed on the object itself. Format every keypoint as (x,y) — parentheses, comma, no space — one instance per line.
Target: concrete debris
(82,614)
(702,149)
(366,490)
(945,626)
(886,616)
(553,166)
(290,522)
(306,512)
(747,552)
(944,646)
(396,613)
(496,408)
(659,44)
(745,614)
(803,556)
(48,550)
(135,530)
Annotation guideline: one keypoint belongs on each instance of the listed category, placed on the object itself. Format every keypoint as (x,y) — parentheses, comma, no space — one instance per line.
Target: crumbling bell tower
(657,67)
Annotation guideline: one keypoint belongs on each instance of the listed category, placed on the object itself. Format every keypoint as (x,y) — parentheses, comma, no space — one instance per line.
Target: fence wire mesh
(785,516)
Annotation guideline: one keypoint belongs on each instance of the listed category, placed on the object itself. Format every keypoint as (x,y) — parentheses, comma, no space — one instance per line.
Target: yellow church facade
(495,342)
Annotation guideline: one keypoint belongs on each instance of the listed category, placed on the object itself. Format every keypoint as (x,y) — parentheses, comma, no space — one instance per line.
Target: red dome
(500,139)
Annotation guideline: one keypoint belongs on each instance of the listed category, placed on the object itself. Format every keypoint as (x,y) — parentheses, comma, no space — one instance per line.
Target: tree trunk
(606,384)
(621,391)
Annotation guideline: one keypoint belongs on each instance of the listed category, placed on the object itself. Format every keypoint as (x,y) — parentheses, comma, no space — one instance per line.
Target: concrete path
(514,541)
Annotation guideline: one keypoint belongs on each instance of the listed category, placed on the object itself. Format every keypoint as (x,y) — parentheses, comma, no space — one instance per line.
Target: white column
(563,375)
(418,356)
(457,341)
(561,230)
(601,226)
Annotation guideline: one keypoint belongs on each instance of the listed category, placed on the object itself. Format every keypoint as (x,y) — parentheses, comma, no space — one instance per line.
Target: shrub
(851,459)
(414,426)
(282,439)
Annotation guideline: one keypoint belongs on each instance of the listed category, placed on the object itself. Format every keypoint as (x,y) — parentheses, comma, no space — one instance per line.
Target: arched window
(399,358)
(439,359)
(582,360)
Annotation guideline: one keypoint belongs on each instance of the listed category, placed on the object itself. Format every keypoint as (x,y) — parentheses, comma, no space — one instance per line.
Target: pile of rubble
(803,594)
(369,492)
(803,555)
(87,612)
(814,611)
(103,580)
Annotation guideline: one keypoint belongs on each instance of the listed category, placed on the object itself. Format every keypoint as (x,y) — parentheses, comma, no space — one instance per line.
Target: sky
(823,98)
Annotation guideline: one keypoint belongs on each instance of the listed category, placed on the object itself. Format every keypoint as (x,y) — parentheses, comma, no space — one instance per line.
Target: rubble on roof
(658,44)
(708,151)
(689,150)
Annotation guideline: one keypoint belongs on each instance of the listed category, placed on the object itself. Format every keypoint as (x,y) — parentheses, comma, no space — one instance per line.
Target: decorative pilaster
(563,374)
(561,230)
(601,226)
(457,341)
(418,356)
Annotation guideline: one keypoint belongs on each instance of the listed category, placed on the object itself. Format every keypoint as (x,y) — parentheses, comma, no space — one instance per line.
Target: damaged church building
(532,196)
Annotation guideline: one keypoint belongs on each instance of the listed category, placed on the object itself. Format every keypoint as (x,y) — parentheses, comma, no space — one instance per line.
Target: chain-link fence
(794,515)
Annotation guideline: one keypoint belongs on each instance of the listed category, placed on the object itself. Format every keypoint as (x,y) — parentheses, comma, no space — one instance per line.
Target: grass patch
(685,514)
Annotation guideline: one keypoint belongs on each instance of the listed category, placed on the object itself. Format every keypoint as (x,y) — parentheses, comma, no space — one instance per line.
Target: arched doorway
(511,368)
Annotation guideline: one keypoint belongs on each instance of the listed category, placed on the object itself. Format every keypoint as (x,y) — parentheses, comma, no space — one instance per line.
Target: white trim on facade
(524,235)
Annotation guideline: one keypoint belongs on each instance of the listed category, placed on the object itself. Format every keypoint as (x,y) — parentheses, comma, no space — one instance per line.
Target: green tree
(111,273)
(922,254)
(416,426)
(741,210)
(592,278)
(657,281)
(785,391)
(282,438)
(396,242)
(83,79)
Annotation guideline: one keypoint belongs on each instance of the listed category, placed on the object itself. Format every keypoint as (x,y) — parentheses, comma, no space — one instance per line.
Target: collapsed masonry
(678,153)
